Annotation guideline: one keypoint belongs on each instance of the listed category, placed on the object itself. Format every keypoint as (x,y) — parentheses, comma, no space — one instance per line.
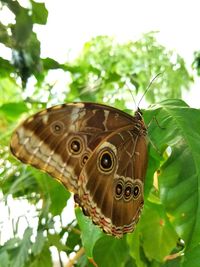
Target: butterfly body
(98,152)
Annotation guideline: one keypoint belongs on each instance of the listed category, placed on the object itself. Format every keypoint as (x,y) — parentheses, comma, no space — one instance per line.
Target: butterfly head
(138,115)
(138,118)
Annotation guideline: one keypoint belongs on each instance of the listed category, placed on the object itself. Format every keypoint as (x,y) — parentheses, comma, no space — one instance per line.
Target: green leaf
(39,13)
(84,262)
(163,235)
(56,192)
(13,110)
(177,262)
(4,39)
(134,242)
(192,257)
(4,259)
(90,233)
(43,259)
(23,27)
(14,6)
(10,244)
(131,263)
(180,174)
(110,250)
(38,245)
(49,63)
(19,185)
(6,67)
(59,196)
(55,240)
(73,238)
(20,254)
(9,90)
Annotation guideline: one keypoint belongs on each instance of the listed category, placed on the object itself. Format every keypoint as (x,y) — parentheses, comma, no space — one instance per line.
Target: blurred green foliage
(196,62)
(105,71)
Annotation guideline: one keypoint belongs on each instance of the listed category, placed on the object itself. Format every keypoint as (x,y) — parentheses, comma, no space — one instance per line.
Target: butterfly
(97,152)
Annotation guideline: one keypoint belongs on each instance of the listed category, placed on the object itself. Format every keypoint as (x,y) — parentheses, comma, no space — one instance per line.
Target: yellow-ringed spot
(106,161)
(128,192)
(118,189)
(57,127)
(75,145)
(137,189)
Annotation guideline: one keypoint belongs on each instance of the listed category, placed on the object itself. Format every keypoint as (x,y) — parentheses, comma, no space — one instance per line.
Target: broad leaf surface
(90,233)
(110,251)
(4,259)
(134,242)
(56,192)
(192,257)
(179,178)
(155,226)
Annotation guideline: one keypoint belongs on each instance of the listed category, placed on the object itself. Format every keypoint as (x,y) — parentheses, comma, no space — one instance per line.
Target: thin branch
(60,260)
(76,257)
(173,256)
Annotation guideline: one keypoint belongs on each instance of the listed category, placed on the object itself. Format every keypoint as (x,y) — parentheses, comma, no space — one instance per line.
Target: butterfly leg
(78,202)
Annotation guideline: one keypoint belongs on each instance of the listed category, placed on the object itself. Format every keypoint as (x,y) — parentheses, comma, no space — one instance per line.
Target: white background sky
(71,23)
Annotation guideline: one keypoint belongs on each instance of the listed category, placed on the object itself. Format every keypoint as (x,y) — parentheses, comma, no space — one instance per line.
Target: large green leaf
(192,257)
(90,233)
(180,174)
(4,259)
(110,251)
(163,235)
(54,190)
(134,242)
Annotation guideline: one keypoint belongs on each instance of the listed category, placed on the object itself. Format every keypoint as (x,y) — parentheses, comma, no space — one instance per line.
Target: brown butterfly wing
(59,140)
(111,182)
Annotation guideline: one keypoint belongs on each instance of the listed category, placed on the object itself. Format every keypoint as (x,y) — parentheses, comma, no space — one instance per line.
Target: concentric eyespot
(127,192)
(137,189)
(106,160)
(57,127)
(118,189)
(75,145)
(128,189)
(84,158)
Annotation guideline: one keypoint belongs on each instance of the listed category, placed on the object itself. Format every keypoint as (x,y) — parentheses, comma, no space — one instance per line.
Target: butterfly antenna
(132,96)
(151,82)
